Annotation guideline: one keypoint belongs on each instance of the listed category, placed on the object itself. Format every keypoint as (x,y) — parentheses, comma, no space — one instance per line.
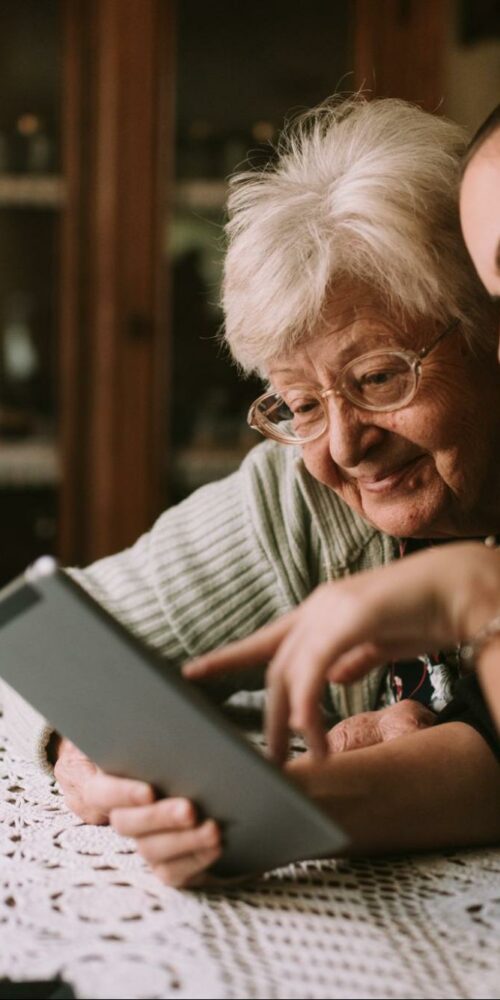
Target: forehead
(480,212)
(344,335)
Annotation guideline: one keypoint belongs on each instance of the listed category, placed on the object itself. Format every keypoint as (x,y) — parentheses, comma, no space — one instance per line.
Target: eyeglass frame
(414,359)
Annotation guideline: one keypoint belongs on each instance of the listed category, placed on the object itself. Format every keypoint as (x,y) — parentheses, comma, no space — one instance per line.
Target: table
(76,900)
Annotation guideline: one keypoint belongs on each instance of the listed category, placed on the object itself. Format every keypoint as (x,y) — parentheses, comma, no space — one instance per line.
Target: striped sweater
(233,556)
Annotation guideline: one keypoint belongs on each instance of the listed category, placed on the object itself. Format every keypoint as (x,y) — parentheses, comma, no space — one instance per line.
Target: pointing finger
(249,652)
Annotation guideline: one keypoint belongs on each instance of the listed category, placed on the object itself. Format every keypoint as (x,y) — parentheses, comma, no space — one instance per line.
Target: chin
(403,520)
(405,513)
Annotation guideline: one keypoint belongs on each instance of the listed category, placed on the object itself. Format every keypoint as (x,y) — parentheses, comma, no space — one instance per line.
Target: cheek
(412,424)
(318,462)
(400,422)
(425,430)
(446,414)
(450,426)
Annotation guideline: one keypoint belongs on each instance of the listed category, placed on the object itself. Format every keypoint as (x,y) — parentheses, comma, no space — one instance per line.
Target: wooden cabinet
(114,282)
(399,49)
(119,122)
(32,200)
(83,286)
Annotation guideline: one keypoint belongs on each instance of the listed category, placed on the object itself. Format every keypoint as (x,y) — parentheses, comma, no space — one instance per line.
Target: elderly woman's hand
(368,728)
(428,601)
(167,832)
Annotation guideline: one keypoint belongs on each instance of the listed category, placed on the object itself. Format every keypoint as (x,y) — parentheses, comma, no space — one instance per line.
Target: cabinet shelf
(201,195)
(195,466)
(31,463)
(24,191)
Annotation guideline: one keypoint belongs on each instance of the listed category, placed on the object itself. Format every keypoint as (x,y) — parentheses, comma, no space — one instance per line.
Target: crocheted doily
(77,901)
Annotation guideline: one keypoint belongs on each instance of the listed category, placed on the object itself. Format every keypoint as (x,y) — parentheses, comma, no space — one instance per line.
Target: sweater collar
(343,532)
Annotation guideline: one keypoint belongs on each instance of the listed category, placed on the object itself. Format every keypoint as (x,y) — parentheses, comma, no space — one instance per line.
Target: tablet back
(120,703)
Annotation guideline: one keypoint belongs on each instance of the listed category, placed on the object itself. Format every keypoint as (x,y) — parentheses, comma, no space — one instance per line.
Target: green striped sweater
(233,556)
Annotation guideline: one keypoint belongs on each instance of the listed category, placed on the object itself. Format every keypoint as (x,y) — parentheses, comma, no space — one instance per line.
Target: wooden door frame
(117,129)
(399,49)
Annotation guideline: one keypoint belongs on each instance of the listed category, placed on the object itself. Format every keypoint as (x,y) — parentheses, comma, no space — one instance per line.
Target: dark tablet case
(120,703)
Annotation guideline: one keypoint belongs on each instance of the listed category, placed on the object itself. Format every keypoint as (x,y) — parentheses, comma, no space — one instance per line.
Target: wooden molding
(398,49)
(114,290)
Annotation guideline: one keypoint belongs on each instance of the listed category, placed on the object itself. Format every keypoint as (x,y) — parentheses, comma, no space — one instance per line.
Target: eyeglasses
(379,381)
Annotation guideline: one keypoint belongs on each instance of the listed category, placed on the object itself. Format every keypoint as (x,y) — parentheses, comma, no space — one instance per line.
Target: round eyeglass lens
(295,415)
(380,381)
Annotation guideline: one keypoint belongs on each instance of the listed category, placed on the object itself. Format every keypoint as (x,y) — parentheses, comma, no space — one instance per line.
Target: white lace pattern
(77,901)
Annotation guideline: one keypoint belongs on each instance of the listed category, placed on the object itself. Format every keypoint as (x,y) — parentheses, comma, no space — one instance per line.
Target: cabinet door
(113,301)
(32,195)
(399,49)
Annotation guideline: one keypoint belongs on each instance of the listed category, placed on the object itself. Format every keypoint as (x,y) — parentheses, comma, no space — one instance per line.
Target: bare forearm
(433,789)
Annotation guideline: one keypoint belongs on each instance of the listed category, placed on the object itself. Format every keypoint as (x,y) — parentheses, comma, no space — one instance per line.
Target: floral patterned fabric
(431,678)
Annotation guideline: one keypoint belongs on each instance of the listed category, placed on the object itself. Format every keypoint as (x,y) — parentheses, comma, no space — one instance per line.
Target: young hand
(429,601)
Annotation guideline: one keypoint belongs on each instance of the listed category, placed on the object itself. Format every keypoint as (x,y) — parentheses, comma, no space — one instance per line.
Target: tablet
(122,705)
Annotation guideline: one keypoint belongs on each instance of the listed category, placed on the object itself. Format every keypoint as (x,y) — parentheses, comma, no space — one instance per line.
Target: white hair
(364,191)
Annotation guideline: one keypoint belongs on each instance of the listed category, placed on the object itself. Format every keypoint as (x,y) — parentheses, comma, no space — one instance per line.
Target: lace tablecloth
(76,901)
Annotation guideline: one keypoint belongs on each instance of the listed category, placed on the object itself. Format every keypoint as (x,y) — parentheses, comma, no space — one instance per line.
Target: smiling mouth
(386,482)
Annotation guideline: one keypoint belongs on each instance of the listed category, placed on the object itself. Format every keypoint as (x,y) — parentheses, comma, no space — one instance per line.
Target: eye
(379,376)
(380,381)
(300,404)
(304,407)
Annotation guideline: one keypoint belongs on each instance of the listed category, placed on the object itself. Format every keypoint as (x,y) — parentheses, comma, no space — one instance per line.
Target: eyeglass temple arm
(425,350)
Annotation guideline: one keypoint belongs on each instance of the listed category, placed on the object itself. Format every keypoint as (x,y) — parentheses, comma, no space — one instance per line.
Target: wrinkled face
(431,469)
(480,212)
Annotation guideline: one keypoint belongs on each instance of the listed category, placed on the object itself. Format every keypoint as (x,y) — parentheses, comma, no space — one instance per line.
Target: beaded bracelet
(469,651)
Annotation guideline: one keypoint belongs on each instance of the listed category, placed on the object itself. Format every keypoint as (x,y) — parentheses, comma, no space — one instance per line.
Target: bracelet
(469,651)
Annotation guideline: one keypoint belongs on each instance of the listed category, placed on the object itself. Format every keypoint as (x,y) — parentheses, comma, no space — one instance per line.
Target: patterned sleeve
(468,705)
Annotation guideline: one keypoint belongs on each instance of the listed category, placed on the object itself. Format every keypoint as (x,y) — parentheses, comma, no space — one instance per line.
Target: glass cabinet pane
(31,197)
(240,72)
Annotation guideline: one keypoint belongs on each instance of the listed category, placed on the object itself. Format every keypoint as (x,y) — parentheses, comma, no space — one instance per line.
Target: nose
(352,432)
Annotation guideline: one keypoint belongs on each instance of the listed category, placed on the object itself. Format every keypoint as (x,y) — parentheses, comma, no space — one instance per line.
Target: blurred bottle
(20,366)
(198,150)
(234,152)
(4,154)
(33,147)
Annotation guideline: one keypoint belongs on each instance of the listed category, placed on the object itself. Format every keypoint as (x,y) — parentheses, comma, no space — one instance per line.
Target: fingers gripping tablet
(119,702)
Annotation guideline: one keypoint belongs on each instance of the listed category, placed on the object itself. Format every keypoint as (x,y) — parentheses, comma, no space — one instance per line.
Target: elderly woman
(433,600)
(347,286)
